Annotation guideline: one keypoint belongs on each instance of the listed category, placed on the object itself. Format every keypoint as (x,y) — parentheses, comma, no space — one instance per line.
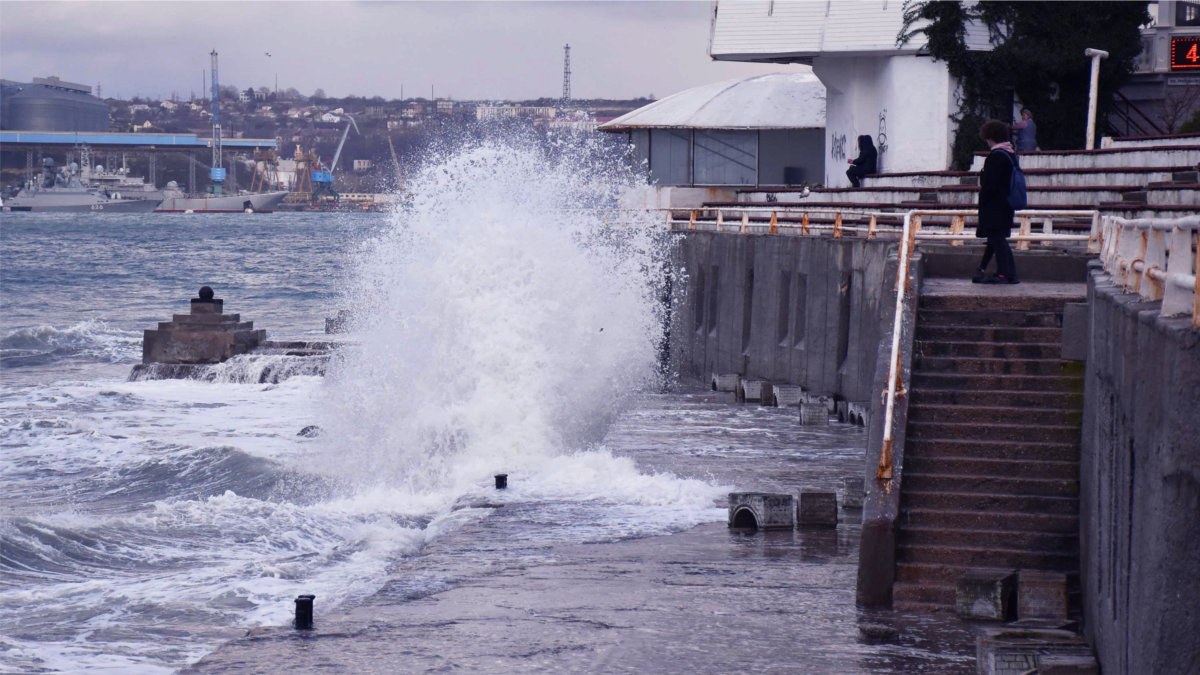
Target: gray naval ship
(65,190)
(172,199)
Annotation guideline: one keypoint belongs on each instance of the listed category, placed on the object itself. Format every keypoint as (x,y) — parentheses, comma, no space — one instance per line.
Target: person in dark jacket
(995,213)
(866,163)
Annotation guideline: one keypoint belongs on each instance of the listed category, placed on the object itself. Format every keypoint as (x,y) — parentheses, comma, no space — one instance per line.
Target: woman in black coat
(866,163)
(995,213)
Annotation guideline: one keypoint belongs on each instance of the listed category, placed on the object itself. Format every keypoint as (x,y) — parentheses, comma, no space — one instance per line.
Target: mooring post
(304,612)
(501,481)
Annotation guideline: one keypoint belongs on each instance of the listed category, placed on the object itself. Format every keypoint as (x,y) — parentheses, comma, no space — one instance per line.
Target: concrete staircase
(991,466)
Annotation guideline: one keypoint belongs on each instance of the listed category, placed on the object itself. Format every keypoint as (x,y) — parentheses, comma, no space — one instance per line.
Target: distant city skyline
(489,50)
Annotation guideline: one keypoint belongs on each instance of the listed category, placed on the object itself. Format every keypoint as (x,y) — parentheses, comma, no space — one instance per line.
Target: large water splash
(504,321)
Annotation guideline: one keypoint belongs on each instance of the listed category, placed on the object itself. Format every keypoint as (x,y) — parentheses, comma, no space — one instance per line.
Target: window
(670,156)
(1187,13)
(726,158)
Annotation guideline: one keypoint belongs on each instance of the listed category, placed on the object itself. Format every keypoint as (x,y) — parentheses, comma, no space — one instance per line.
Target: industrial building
(50,104)
(761,131)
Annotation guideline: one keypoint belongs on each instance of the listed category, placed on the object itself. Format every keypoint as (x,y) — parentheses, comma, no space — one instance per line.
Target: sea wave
(95,340)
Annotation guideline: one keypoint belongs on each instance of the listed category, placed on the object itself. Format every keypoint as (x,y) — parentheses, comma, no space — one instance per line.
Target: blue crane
(216,173)
(323,178)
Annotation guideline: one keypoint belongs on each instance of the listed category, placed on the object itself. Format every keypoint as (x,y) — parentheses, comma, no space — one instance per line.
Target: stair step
(942,482)
(990,449)
(914,463)
(972,556)
(989,350)
(997,303)
(1006,399)
(992,319)
(997,382)
(1002,521)
(1062,542)
(964,501)
(965,431)
(975,333)
(914,595)
(921,607)
(997,366)
(938,573)
(924,412)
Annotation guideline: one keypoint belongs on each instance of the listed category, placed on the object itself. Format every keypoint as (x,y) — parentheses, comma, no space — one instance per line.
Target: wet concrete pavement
(490,598)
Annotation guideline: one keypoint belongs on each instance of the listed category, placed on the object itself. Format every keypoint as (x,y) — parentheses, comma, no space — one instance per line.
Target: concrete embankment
(1140,485)
(801,310)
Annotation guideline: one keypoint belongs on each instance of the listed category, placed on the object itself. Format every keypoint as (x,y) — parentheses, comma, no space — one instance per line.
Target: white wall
(908,99)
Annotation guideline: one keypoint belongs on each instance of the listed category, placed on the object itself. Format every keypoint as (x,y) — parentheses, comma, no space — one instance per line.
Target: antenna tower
(567,73)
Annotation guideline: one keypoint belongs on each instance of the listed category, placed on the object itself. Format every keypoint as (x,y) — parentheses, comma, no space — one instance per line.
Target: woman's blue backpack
(1017,198)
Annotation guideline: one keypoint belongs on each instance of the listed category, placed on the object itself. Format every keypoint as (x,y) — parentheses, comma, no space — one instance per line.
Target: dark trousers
(855,174)
(997,244)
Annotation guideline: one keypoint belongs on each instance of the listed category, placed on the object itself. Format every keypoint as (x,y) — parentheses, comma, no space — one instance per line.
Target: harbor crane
(322,178)
(216,173)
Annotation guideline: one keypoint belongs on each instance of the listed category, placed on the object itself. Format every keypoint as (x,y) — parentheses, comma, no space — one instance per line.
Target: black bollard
(304,612)
(501,481)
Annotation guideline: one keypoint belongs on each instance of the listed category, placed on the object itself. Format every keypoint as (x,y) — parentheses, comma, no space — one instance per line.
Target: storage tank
(37,107)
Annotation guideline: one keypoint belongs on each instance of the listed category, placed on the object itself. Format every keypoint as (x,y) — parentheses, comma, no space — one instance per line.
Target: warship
(173,199)
(63,189)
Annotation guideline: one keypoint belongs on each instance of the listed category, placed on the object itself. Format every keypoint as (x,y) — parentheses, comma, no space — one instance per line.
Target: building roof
(788,32)
(773,101)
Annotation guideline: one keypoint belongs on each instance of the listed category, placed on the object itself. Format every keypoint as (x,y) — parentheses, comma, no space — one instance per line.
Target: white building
(330,117)
(707,142)
(138,106)
(362,164)
(896,94)
(498,112)
(445,107)
(168,105)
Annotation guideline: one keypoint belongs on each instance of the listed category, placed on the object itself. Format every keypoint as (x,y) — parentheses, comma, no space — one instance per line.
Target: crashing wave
(244,369)
(97,340)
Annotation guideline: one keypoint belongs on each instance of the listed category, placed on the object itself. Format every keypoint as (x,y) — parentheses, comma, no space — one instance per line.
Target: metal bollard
(501,481)
(304,612)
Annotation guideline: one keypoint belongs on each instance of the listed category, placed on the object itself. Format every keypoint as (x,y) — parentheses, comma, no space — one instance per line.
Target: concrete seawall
(1140,485)
(803,310)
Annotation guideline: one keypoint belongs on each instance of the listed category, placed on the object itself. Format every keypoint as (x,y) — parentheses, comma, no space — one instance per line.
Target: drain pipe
(1095,55)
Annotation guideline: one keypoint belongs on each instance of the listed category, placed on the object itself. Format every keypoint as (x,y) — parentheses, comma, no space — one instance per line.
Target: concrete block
(725,382)
(1075,331)
(858,413)
(761,510)
(214,306)
(852,492)
(1041,595)
(753,390)
(813,414)
(826,401)
(1064,664)
(818,509)
(984,595)
(787,395)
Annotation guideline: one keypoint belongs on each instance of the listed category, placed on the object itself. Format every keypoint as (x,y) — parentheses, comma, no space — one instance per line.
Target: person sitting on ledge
(995,213)
(866,163)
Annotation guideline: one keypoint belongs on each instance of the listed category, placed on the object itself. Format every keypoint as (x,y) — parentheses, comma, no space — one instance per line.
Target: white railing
(797,220)
(1155,258)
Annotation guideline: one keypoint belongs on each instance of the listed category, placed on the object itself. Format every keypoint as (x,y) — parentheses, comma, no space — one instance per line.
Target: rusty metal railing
(1155,258)
(798,220)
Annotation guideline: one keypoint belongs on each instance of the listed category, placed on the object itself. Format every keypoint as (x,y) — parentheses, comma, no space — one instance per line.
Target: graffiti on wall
(881,140)
(837,149)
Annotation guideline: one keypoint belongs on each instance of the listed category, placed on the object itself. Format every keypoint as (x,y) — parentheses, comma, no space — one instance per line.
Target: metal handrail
(953,232)
(1155,258)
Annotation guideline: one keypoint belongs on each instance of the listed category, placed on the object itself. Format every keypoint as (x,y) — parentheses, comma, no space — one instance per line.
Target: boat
(63,190)
(176,201)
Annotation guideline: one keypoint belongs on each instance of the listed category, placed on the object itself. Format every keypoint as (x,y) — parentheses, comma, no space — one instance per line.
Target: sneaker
(978,276)
(1013,280)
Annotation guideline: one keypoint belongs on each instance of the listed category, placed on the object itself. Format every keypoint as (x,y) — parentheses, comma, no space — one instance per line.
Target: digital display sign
(1185,53)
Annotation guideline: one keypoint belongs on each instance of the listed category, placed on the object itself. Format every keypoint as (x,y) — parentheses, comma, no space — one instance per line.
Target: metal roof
(773,101)
(189,141)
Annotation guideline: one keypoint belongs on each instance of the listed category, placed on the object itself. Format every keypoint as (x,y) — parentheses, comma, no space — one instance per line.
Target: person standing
(1026,132)
(995,212)
(866,163)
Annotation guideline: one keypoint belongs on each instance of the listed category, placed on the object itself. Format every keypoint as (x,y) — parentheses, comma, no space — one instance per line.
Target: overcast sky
(464,50)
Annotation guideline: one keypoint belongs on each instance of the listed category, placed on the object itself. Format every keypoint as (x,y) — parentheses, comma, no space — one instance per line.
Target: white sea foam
(500,325)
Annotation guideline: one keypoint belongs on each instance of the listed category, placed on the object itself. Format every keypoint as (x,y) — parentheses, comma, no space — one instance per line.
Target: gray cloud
(468,49)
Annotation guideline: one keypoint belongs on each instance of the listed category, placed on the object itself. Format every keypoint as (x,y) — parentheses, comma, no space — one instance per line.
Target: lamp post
(1095,55)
